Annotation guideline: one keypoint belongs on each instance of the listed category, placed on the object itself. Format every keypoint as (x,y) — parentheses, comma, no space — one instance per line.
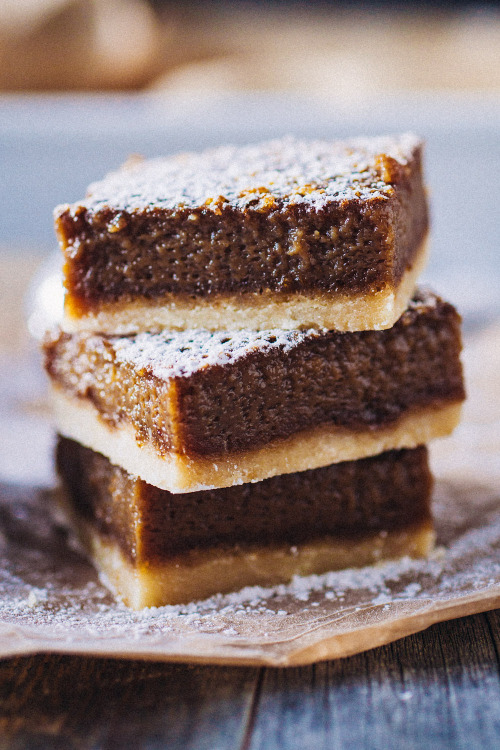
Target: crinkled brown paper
(52,600)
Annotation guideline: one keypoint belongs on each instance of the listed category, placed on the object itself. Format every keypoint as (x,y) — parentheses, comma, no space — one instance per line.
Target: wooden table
(436,689)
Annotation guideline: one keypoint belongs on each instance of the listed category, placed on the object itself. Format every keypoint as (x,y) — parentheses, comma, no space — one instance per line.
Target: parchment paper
(52,600)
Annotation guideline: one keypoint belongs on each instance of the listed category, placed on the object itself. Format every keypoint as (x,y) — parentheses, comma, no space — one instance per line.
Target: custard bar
(156,548)
(284,234)
(197,410)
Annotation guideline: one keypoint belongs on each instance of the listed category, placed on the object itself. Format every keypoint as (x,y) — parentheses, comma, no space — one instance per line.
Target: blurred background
(340,50)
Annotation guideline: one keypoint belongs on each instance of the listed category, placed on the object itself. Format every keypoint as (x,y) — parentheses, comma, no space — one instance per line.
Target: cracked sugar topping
(169,354)
(286,171)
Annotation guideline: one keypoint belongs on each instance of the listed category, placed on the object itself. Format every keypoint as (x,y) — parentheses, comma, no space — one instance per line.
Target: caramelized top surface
(289,171)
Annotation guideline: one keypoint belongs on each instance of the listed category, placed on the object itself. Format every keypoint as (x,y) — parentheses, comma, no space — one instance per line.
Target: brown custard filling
(346,500)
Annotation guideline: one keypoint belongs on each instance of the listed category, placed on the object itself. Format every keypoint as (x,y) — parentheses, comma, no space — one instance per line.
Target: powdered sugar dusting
(287,171)
(178,354)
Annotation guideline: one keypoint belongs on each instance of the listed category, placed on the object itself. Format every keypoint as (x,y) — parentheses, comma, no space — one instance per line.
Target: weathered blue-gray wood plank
(437,689)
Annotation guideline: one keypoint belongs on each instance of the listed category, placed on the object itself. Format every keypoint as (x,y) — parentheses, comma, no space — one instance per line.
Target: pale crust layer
(198,575)
(341,312)
(309,449)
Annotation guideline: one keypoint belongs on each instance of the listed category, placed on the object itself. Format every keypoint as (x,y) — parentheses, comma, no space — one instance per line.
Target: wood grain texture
(436,689)
(74,702)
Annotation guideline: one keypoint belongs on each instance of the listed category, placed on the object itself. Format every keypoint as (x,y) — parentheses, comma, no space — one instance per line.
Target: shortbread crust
(310,449)
(370,311)
(200,575)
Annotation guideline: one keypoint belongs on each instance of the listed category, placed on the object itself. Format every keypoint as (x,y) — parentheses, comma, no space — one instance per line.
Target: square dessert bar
(283,234)
(196,410)
(156,548)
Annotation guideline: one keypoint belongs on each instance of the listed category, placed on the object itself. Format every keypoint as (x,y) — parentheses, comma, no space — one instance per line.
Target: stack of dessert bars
(245,378)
